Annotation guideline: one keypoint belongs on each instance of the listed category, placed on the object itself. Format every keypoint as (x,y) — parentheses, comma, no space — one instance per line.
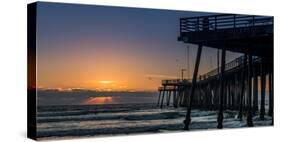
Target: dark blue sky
(79,45)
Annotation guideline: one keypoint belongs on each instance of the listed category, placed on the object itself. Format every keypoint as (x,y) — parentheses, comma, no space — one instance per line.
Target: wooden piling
(270,91)
(181,94)
(232,95)
(194,79)
(263,81)
(158,101)
(220,114)
(163,96)
(168,98)
(255,91)
(236,92)
(175,102)
(250,71)
(242,87)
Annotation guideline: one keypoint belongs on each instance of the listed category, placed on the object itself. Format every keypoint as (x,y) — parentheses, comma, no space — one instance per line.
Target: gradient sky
(112,48)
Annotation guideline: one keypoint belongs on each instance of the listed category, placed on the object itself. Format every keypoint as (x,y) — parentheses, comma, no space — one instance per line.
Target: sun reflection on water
(98,100)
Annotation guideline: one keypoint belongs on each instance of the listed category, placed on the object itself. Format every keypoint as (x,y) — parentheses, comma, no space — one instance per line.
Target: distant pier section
(173,89)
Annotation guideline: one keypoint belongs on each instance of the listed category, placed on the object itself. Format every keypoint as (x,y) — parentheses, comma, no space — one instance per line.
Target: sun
(105,82)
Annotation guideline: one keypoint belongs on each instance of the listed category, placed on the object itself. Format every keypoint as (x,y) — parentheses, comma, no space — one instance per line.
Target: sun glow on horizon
(92,57)
(106,82)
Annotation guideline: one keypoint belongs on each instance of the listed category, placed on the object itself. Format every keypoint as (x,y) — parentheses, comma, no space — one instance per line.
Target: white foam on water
(137,121)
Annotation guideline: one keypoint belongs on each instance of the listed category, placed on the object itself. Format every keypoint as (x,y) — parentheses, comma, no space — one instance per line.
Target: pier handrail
(238,62)
(167,88)
(231,65)
(223,21)
(175,81)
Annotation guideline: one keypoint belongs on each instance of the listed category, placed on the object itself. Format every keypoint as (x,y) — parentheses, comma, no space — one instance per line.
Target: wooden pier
(233,85)
(175,90)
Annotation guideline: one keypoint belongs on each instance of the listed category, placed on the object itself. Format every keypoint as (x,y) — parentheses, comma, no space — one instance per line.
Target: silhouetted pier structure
(173,89)
(233,85)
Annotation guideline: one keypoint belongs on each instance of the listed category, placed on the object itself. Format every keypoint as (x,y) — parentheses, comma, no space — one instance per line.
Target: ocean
(72,121)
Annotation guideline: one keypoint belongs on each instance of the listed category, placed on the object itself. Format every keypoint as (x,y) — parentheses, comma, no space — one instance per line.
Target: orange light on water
(98,100)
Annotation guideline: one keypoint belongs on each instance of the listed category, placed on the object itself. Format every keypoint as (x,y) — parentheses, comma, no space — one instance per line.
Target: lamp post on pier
(182,70)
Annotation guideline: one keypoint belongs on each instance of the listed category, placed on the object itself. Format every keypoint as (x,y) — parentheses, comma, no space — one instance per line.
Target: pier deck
(237,33)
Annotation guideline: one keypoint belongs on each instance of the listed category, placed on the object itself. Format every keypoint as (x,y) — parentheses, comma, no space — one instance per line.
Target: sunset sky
(112,48)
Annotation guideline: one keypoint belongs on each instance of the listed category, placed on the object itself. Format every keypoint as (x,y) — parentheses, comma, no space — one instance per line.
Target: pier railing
(175,82)
(231,65)
(236,63)
(223,21)
(167,88)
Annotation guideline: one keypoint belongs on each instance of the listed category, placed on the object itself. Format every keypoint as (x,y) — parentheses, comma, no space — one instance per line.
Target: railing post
(180,25)
(197,26)
(215,22)
(234,21)
(253,19)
